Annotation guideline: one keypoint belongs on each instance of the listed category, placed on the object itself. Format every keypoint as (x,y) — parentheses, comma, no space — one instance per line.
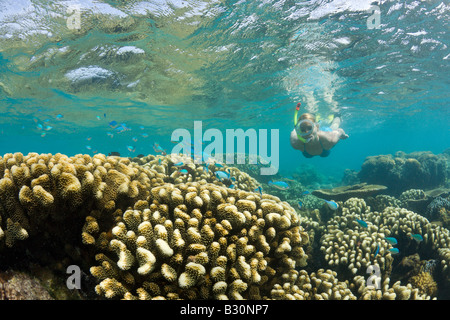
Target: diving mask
(301,134)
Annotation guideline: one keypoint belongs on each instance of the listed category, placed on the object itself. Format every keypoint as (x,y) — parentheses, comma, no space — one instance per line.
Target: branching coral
(157,232)
(201,241)
(52,191)
(351,246)
(179,168)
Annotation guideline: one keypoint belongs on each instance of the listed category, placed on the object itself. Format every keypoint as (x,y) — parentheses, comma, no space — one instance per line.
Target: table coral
(201,241)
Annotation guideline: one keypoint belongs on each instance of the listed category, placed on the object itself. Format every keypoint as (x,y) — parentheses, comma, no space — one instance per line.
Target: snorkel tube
(296,123)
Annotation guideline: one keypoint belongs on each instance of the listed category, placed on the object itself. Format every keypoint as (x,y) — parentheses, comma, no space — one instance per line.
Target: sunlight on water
(163,64)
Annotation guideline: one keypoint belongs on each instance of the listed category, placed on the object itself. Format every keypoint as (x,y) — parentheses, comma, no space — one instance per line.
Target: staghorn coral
(50,192)
(200,241)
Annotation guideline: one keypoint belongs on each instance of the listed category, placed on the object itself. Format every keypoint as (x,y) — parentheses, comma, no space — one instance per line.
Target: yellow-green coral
(228,244)
(44,190)
(170,166)
(425,283)
(395,292)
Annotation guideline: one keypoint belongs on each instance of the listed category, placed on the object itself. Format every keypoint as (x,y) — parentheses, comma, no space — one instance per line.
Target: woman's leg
(336,123)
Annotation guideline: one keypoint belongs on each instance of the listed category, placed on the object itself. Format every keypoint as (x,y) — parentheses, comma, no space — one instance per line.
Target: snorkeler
(312,140)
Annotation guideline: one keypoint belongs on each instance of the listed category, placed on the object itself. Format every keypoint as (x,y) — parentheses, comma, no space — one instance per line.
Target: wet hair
(306,125)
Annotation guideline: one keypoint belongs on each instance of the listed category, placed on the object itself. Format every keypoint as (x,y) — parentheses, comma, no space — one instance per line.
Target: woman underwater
(312,140)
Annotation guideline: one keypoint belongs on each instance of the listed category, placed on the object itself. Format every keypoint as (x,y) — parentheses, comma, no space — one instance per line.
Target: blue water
(158,66)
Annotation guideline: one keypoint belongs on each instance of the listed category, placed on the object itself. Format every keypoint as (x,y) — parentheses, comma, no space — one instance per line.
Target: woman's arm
(295,142)
(330,138)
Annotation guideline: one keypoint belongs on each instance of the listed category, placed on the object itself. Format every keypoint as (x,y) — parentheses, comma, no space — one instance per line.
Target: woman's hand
(343,134)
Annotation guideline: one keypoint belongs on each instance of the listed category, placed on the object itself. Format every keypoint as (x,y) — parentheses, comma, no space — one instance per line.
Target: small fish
(259,189)
(222,175)
(131,148)
(361,223)
(98,118)
(305,193)
(391,240)
(43,134)
(178,164)
(231,186)
(144,135)
(104,115)
(48,128)
(332,205)
(219,165)
(113,124)
(88,138)
(394,251)
(289,178)
(114,153)
(59,116)
(205,166)
(141,127)
(120,129)
(134,139)
(417,237)
(159,161)
(39,126)
(183,171)
(377,251)
(89,147)
(279,185)
(110,134)
(300,204)
(158,148)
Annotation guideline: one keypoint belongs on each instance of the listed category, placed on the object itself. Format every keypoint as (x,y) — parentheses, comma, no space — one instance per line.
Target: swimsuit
(325,153)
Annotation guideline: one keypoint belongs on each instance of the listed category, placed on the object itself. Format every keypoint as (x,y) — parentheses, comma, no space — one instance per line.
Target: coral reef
(425,283)
(343,193)
(196,241)
(354,240)
(20,286)
(418,170)
(172,165)
(54,192)
(158,227)
(439,208)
